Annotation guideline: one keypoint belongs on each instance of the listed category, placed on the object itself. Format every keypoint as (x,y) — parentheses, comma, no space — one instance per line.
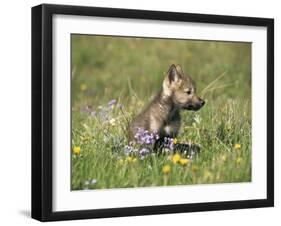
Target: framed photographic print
(145,112)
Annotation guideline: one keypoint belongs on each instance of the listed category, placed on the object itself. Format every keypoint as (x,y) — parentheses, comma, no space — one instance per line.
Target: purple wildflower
(144,137)
(144,152)
(112,102)
(128,150)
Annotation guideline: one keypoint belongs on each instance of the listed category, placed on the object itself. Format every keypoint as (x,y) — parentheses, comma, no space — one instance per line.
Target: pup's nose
(202,102)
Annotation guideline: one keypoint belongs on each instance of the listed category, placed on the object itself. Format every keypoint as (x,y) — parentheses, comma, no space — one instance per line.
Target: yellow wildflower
(184,162)
(76,150)
(175,141)
(129,159)
(238,160)
(176,158)
(237,146)
(83,87)
(166,169)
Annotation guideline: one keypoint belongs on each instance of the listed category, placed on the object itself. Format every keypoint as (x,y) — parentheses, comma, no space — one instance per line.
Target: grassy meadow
(114,78)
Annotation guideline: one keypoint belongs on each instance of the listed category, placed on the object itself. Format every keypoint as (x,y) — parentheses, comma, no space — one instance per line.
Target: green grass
(131,71)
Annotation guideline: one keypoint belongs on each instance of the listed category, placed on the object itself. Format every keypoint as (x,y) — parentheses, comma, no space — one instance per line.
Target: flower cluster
(129,150)
(104,112)
(143,153)
(177,159)
(145,137)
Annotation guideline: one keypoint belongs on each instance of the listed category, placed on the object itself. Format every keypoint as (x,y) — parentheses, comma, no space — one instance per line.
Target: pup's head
(181,88)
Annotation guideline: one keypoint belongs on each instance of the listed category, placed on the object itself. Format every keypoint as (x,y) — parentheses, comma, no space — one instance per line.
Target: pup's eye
(188,92)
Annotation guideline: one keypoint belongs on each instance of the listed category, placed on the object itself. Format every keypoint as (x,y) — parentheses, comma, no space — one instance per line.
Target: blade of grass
(219,87)
(212,83)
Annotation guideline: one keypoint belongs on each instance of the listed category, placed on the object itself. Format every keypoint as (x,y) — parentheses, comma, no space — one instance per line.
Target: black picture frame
(42,107)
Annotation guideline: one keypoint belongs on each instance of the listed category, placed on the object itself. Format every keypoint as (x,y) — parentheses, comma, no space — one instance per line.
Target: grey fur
(163,113)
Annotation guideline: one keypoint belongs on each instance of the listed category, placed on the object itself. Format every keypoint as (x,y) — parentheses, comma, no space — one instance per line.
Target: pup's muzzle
(195,106)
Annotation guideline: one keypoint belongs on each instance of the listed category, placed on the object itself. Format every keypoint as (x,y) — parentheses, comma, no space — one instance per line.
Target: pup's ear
(173,74)
(179,69)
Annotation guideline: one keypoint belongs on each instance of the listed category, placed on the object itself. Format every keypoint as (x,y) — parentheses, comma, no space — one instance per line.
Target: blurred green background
(113,67)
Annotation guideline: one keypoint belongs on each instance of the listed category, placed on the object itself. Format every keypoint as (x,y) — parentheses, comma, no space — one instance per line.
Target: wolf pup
(162,115)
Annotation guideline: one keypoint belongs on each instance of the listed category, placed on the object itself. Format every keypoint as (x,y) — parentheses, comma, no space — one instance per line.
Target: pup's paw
(190,150)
